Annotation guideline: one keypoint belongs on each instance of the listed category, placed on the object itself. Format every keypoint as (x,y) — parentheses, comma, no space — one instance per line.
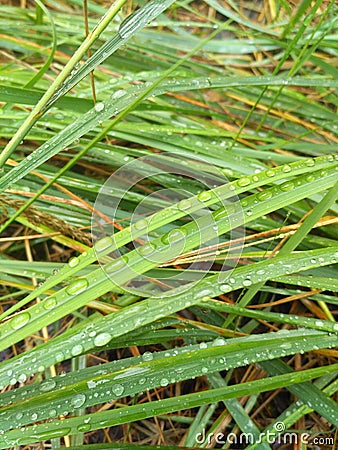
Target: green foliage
(225,129)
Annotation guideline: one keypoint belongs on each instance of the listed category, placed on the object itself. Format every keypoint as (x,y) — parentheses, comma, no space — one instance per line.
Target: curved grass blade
(128,28)
(114,105)
(37,111)
(104,419)
(15,95)
(165,216)
(149,372)
(121,270)
(288,193)
(149,310)
(49,60)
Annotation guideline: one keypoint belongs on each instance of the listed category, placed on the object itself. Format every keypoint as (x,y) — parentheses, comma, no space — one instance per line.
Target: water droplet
(118,389)
(84,428)
(118,94)
(247,283)
(310,178)
(146,249)
(205,370)
(164,382)
(287,186)
(59,356)
(140,224)
(73,262)
(270,173)
(147,356)
(22,378)
(184,204)
(47,385)
(49,303)
(265,195)
(244,181)
(205,293)
(219,341)
(77,286)
(103,244)
(20,320)
(77,350)
(34,416)
(203,345)
(309,162)
(204,196)
(286,168)
(116,265)
(249,212)
(78,400)
(99,107)
(173,236)
(102,339)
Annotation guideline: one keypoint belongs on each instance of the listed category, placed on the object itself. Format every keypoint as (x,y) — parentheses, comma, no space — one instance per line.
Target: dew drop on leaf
(77,350)
(99,107)
(49,303)
(140,224)
(77,286)
(309,162)
(118,94)
(20,320)
(103,244)
(84,428)
(288,186)
(47,385)
(225,287)
(59,356)
(219,341)
(22,378)
(118,389)
(102,339)
(245,181)
(147,356)
(73,262)
(78,400)
(204,196)
(184,204)
(146,249)
(265,195)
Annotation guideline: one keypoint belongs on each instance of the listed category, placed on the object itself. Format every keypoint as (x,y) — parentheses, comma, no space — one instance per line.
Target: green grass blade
(138,412)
